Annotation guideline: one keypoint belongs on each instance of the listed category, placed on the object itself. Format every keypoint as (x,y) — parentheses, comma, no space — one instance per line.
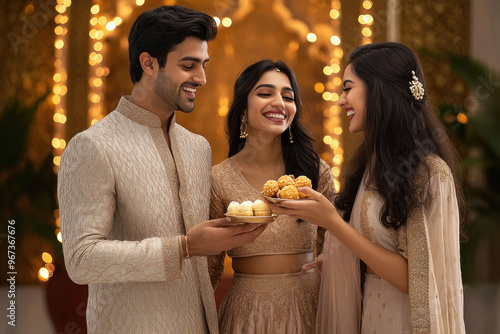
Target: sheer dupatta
(339,308)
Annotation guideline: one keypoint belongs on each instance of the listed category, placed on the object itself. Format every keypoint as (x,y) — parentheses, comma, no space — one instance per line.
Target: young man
(134,191)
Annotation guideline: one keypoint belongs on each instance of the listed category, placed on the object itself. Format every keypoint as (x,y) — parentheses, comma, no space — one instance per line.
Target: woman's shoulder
(433,165)
(222,168)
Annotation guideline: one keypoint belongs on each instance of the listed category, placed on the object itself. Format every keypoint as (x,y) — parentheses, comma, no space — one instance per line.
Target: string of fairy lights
(102,25)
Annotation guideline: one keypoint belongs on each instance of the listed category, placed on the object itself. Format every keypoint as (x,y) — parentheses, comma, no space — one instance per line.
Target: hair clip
(416,87)
(277,69)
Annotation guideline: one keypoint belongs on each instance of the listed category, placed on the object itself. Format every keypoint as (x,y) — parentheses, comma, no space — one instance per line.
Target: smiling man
(134,191)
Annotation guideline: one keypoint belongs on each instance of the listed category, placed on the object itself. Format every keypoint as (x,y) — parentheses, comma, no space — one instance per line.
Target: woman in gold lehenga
(269,292)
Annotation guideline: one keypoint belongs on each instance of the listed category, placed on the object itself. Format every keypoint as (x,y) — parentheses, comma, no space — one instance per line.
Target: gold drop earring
(291,135)
(244,125)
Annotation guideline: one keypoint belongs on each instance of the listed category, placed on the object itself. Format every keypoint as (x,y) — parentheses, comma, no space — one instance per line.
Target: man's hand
(212,237)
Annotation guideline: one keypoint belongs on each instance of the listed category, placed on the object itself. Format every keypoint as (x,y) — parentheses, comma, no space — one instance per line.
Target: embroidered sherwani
(125,200)
(430,243)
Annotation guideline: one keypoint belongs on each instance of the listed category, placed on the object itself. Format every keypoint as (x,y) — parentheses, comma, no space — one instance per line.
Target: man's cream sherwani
(125,199)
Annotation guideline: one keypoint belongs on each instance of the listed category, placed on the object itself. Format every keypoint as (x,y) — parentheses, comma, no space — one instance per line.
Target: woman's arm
(389,265)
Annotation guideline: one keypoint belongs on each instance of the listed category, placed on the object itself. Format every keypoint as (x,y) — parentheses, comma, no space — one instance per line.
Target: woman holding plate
(272,290)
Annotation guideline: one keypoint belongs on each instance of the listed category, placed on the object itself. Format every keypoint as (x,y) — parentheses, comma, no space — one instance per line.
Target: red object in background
(222,288)
(66,302)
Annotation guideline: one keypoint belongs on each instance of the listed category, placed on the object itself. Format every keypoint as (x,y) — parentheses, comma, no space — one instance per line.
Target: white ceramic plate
(252,219)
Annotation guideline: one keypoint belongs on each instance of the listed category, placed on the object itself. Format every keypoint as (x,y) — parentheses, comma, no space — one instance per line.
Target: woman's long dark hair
(399,132)
(300,157)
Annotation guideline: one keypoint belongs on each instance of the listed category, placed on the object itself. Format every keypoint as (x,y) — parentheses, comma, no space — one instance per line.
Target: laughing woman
(269,292)
(400,207)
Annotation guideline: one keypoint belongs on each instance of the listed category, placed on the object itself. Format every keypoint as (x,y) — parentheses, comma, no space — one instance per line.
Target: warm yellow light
(67,3)
(217,20)
(335,110)
(106,71)
(336,4)
(337,81)
(62,143)
(366,32)
(337,185)
(366,40)
(339,53)
(29,9)
(59,44)
(462,118)
(100,34)
(334,144)
(56,99)
(57,18)
(111,26)
(336,171)
(93,21)
(117,20)
(59,237)
(92,55)
(337,130)
(99,71)
(369,19)
(338,159)
(97,82)
(334,14)
(58,222)
(43,274)
(335,96)
(102,20)
(327,140)
(327,70)
(58,63)
(64,19)
(64,90)
(139,2)
(311,37)
(63,119)
(93,33)
(98,46)
(362,19)
(226,22)
(367,4)
(57,117)
(327,96)
(335,68)
(56,160)
(339,150)
(58,30)
(55,143)
(60,8)
(319,87)
(56,89)
(335,40)
(98,58)
(46,257)
(222,111)
(94,120)
(94,9)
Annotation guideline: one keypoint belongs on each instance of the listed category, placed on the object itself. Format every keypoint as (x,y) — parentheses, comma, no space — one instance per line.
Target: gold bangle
(187,249)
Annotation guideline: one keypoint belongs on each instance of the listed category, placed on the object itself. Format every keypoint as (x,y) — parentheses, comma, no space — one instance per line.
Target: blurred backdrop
(64,66)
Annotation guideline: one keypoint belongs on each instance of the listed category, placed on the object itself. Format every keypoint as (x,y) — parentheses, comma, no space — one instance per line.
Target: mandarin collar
(140,115)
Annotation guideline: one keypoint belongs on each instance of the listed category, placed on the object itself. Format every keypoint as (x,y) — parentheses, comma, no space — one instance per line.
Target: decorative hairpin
(416,87)
(277,69)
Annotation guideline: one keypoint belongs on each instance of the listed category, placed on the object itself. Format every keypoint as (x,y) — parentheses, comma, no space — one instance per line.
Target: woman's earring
(243,126)
(291,135)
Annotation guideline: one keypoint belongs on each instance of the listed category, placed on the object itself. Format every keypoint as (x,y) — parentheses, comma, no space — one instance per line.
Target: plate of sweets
(249,212)
(285,188)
